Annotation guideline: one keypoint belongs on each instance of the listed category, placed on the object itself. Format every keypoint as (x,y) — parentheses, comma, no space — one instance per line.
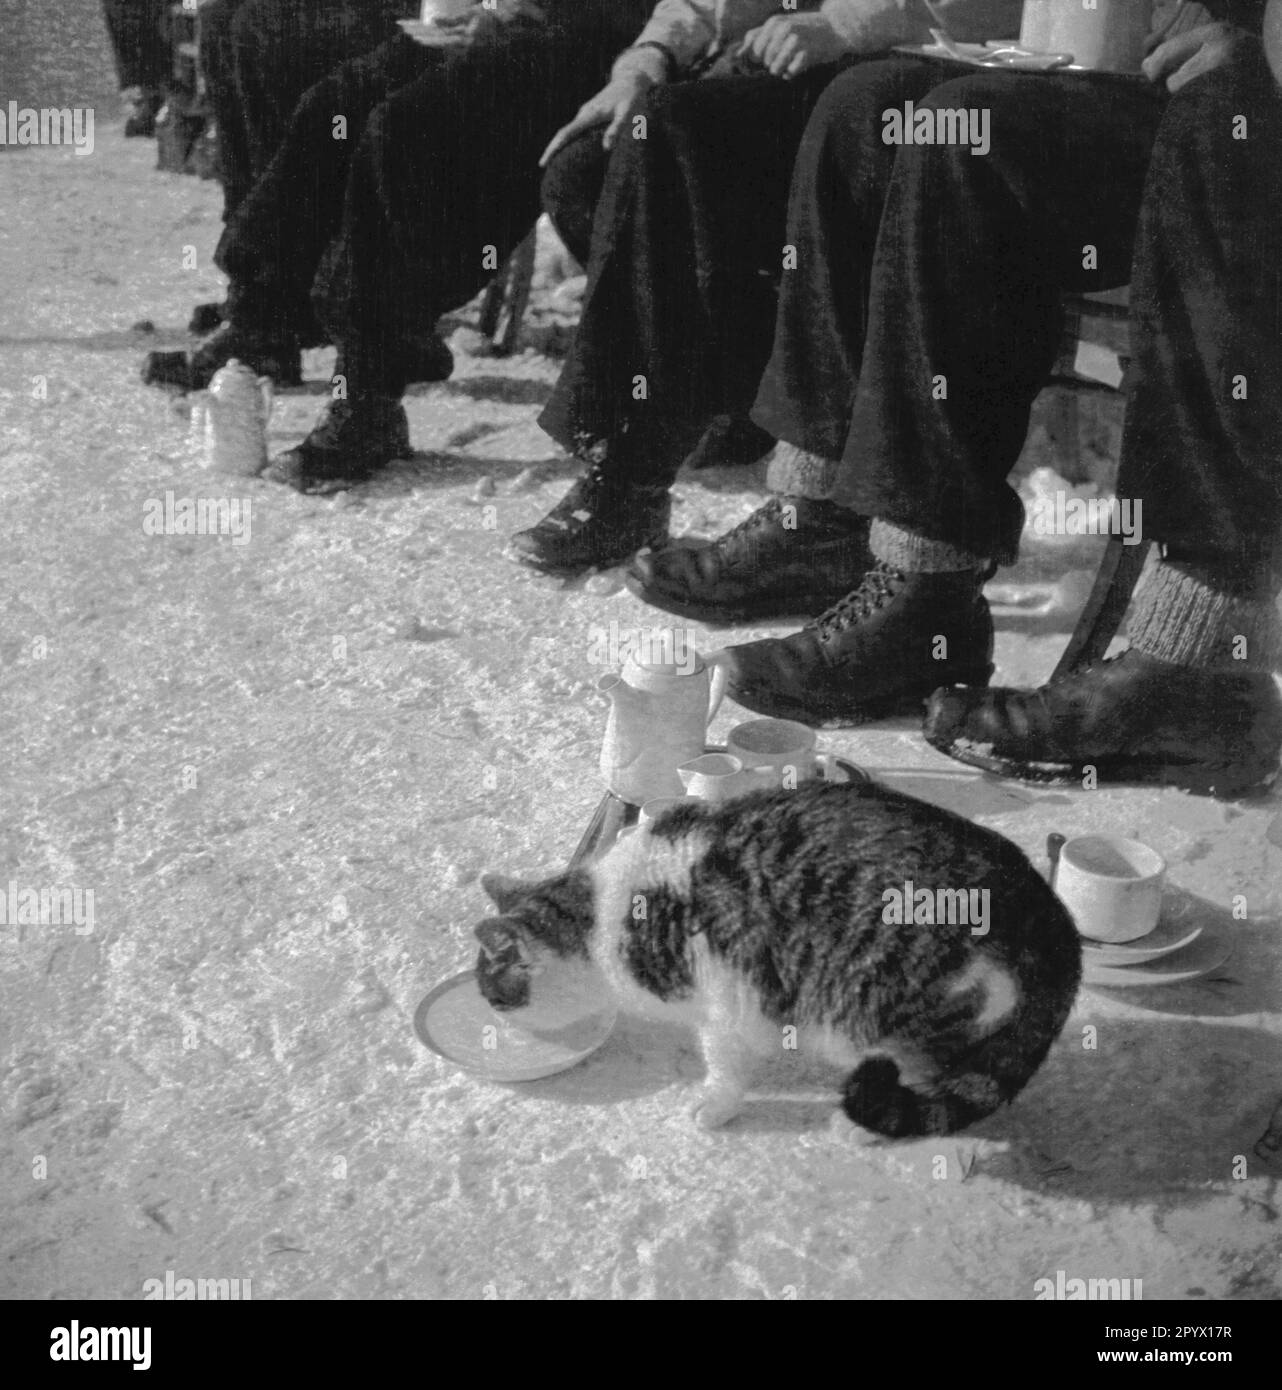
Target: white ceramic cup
(434,11)
(1108,36)
(778,745)
(1112,886)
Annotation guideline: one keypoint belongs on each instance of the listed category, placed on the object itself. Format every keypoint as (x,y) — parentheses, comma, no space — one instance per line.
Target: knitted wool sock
(1184,616)
(792,472)
(914,554)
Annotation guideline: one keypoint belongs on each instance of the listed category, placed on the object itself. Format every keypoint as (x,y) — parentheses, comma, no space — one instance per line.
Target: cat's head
(534,955)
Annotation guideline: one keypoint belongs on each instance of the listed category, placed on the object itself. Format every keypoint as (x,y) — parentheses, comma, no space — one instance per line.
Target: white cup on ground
(782,746)
(1111,885)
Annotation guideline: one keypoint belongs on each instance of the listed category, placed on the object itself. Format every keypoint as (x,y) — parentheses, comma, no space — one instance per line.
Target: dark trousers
(687,247)
(259,57)
(926,314)
(1202,446)
(140,41)
(273,242)
(444,181)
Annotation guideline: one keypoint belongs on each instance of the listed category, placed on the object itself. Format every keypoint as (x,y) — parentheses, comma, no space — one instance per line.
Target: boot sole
(819,714)
(321,483)
(1202,779)
(567,571)
(799,606)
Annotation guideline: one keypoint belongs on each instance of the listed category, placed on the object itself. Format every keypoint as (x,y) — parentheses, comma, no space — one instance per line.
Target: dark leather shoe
(348,444)
(766,567)
(274,357)
(602,521)
(207,316)
(1133,719)
(880,651)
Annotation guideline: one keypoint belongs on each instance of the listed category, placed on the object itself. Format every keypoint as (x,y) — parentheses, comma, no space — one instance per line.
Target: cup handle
(717,688)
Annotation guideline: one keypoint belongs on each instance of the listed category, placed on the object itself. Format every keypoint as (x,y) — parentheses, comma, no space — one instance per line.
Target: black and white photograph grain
(640,661)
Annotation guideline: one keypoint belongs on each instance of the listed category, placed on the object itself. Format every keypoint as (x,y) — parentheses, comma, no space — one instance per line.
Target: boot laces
(879,584)
(754,521)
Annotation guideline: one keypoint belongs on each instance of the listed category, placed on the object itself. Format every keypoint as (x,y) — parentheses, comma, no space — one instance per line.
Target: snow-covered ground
(280,766)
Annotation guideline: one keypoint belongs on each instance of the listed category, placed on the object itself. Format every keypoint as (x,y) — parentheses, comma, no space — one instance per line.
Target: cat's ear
(501,937)
(505,893)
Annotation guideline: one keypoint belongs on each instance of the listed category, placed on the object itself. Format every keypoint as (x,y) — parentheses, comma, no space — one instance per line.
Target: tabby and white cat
(778,911)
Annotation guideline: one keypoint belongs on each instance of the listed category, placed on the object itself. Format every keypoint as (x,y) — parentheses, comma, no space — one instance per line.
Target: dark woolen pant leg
(1204,420)
(444,184)
(272,247)
(572,184)
(218,66)
(139,40)
(687,248)
(283,47)
(973,255)
(839,183)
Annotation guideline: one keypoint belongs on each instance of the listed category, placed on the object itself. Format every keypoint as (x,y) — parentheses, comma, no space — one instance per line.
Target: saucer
(1212,947)
(827,767)
(982,55)
(453,1020)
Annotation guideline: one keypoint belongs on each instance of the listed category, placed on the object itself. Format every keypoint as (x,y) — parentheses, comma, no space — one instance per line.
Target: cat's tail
(877,1099)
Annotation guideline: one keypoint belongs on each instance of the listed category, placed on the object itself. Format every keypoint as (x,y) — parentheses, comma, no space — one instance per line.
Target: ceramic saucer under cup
(1171,934)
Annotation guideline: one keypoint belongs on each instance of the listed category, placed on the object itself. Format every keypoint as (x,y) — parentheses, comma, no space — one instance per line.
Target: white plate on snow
(456,1023)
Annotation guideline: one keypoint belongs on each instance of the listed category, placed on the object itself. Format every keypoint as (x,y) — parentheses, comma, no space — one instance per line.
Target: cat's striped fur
(768,914)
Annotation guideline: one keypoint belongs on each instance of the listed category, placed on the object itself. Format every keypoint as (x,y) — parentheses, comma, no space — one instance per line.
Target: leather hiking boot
(278,358)
(793,557)
(877,652)
(351,441)
(602,521)
(1133,719)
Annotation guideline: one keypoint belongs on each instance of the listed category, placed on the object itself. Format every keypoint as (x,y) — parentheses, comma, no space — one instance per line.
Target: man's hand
(1186,57)
(787,45)
(634,74)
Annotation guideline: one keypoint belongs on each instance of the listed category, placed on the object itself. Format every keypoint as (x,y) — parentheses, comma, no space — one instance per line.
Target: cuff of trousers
(914,554)
(1181,617)
(792,472)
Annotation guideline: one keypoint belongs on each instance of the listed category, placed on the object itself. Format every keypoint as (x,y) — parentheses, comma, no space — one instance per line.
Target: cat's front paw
(714,1107)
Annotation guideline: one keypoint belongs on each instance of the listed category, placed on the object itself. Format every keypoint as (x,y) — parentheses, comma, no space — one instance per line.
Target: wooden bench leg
(1119,572)
(506,299)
